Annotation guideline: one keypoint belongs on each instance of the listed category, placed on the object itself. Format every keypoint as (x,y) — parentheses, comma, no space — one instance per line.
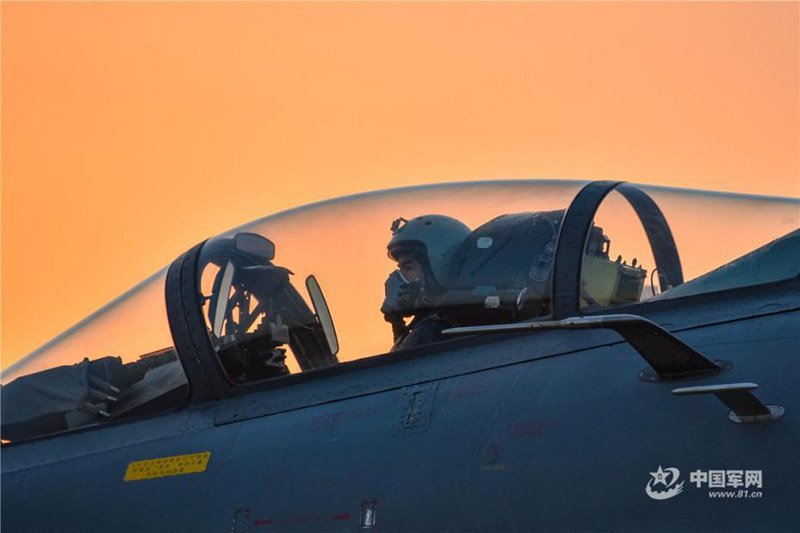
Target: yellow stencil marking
(176,465)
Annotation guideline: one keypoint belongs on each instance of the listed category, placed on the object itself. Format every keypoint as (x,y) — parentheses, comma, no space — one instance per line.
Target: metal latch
(414,407)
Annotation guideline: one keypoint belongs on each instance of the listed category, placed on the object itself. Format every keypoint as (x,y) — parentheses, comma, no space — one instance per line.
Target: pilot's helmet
(430,239)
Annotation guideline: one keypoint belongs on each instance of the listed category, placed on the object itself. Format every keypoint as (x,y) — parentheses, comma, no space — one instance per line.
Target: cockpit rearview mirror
(221,306)
(255,244)
(323,313)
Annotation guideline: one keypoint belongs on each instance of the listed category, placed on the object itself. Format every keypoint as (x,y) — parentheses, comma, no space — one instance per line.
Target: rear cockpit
(260,302)
(92,391)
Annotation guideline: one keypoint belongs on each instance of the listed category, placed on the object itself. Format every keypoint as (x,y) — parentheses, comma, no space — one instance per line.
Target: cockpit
(358,277)
(254,314)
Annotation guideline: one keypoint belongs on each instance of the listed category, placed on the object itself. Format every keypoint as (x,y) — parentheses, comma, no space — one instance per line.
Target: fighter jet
(506,356)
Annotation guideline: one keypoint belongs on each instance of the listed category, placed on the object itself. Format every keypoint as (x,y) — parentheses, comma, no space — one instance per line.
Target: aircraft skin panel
(548,443)
(75,445)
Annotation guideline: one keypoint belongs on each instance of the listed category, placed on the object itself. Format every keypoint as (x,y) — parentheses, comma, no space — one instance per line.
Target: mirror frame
(323,313)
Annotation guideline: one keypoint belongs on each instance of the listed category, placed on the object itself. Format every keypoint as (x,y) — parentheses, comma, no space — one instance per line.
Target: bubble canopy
(399,266)
(267,294)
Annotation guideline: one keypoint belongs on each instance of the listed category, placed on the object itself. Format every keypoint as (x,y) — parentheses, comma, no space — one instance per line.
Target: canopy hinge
(745,407)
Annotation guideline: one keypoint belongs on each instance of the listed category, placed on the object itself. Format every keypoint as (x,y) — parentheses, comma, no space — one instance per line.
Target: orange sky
(132,130)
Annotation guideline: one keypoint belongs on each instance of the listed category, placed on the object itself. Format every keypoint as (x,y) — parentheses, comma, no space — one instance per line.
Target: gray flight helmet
(435,236)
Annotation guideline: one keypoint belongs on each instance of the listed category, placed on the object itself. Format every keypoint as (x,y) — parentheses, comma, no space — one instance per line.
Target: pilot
(423,249)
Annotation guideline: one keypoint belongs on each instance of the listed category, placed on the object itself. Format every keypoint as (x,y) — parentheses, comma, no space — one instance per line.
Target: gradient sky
(132,130)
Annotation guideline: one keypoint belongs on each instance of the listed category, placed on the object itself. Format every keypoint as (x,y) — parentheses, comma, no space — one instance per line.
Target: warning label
(175,465)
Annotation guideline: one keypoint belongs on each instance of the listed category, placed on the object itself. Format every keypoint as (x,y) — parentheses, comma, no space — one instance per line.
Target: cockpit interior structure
(416,294)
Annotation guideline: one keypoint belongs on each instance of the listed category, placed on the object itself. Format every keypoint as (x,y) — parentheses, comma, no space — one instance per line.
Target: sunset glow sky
(132,130)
